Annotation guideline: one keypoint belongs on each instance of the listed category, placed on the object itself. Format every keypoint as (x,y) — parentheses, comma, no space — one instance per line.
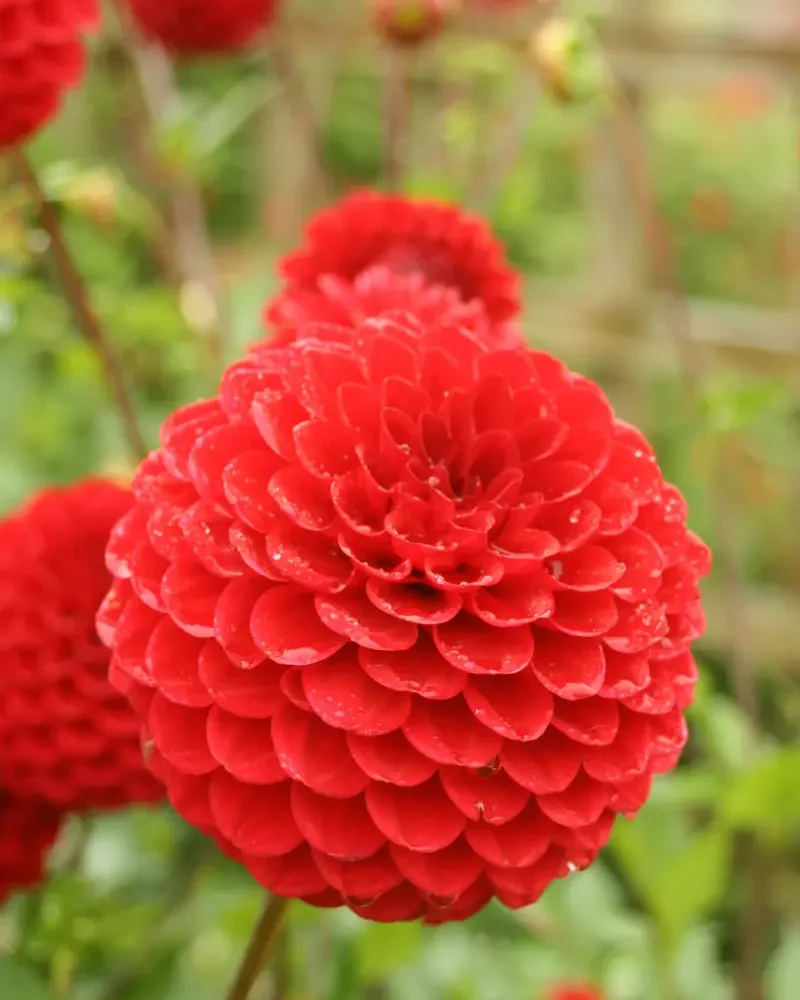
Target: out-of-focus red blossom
(66,735)
(408,236)
(742,97)
(412,22)
(379,290)
(28,829)
(41,57)
(575,991)
(407,619)
(202,27)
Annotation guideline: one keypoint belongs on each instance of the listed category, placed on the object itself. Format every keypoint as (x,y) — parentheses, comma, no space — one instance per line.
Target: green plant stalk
(262,943)
(78,296)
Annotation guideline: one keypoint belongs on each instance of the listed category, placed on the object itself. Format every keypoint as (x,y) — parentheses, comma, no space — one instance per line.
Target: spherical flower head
(409,236)
(575,991)
(202,27)
(66,736)
(41,57)
(407,619)
(28,829)
(378,291)
(412,22)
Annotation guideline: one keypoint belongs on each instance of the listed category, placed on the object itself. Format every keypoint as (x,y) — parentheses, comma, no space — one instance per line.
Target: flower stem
(284,61)
(399,95)
(78,296)
(262,942)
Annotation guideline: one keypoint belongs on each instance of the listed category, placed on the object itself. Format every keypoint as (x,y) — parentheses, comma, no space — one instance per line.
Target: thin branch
(78,296)
(262,942)
(283,58)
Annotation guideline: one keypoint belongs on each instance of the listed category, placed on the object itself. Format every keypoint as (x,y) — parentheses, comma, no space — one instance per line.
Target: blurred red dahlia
(198,27)
(411,22)
(66,736)
(575,991)
(28,829)
(407,619)
(407,236)
(41,57)
(379,290)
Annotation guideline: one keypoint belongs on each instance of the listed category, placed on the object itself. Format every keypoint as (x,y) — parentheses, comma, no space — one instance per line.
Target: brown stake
(398,109)
(290,75)
(262,943)
(78,296)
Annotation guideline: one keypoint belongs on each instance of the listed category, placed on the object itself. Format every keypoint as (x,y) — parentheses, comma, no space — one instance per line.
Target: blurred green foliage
(139,907)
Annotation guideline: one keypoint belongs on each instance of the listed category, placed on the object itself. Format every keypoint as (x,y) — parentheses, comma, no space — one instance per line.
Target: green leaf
(645,845)
(764,797)
(728,734)
(383,948)
(20,982)
(693,882)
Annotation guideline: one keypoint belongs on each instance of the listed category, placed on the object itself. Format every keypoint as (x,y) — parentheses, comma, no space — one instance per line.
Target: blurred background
(178,196)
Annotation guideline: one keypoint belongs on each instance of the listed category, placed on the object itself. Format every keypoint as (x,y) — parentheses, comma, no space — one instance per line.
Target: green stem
(262,942)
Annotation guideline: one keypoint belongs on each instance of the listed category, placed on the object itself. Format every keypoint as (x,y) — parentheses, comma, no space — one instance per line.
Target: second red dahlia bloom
(380,290)
(407,620)
(575,991)
(409,237)
(41,57)
(198,27)
(28,829)
(66,736)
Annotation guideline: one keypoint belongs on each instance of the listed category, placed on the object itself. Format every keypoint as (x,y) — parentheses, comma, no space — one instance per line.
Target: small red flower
(407,619)
(575,991)
(408,236)
(411,22)
(66,736)
(28,829)
(198,27)
(41,57)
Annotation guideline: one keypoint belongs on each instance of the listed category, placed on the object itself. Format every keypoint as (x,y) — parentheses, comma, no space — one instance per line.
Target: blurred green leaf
(382,948)
(18,982)
(764,796)
(693,882)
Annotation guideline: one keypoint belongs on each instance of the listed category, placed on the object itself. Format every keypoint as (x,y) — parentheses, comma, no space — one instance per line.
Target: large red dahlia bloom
(408,236)
(198,27)
(28,829)
(66,736)
(41,57)
(407,619)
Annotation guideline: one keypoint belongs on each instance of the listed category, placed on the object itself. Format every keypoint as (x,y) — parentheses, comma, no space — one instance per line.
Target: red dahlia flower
(411,22)
(575,991)
(198,27)
(28,829)
(407,619)
(408,236)
(66,736)
(379,290)
(41,57)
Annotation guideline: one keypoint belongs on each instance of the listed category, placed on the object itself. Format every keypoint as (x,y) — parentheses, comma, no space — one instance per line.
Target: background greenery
(699,897)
